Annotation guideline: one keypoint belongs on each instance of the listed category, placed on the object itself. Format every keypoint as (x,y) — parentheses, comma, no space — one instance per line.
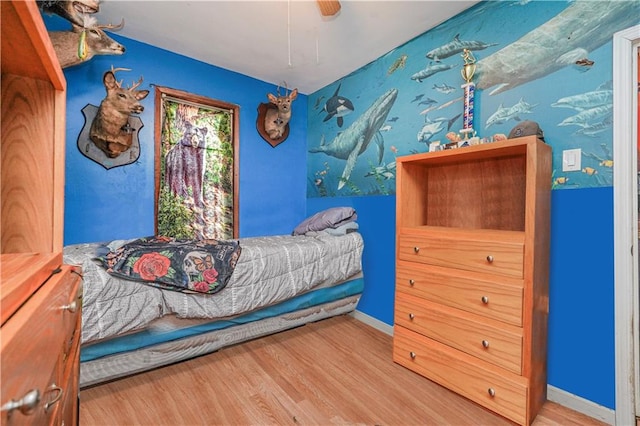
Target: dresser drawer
(495,252)
(494,342)
(500,299)
(481,382)
(71,282)
(68,409)
(35,344)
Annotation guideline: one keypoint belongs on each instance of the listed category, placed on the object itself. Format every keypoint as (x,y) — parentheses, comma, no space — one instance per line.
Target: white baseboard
(371,321)
(554,394)
(581,405)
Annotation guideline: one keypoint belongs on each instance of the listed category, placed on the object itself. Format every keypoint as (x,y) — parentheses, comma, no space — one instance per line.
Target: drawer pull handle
(27,404)
(485,344)
(485,300)
(412,355)
(490,259)
(416,249)
(71,307)
(411,282)
(411,316)
(59,392)
(491,392)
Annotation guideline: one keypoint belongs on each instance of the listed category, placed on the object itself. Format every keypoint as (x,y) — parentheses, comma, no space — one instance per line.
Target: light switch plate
(571,160)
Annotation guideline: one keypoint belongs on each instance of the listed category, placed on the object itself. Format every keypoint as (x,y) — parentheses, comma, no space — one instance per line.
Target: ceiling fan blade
(329,7)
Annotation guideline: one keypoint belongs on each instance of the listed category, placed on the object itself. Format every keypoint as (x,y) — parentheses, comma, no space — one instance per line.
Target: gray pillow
(330,218)
(343,229)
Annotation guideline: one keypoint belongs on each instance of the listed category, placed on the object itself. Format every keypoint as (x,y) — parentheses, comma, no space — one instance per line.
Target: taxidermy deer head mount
(110,129)
(276,119)
(74,11)
(84,42)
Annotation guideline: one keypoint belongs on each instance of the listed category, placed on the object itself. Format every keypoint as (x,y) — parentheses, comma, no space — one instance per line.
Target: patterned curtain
(196,171)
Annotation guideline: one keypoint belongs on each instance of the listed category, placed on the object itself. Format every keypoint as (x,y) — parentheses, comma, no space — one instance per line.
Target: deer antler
(115,70)
(286,87)
(136,84)
(111,26)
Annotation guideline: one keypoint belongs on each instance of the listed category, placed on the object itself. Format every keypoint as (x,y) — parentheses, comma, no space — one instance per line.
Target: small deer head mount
(84,42)
(109,130)
(276,119)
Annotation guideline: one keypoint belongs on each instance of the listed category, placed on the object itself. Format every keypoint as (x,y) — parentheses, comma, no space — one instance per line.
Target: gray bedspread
(270,270)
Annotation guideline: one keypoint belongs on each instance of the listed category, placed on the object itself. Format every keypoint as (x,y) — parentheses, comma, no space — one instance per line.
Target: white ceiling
(279,41)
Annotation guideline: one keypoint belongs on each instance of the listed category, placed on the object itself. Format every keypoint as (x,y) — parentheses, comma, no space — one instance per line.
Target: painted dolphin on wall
(585,100)
(429,130)
(456,46)
(504,114)
(583,25)
(355,139)
(430,70)
(435,126)
(337,106)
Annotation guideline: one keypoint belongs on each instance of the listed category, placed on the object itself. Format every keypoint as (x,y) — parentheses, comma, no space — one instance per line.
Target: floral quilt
(201,266)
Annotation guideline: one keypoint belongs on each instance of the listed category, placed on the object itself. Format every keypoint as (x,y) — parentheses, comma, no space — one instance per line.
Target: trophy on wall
(467,71)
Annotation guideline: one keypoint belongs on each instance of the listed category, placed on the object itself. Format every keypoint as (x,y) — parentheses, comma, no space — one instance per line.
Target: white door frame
(625,227)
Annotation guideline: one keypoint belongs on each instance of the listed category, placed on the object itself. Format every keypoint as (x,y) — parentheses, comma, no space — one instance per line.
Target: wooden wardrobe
(40,298)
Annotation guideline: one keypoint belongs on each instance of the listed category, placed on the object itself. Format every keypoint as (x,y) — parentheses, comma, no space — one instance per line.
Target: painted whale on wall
(355,139)
(584,25)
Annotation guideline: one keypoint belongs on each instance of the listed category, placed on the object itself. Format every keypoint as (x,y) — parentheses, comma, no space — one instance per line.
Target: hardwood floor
(335,371)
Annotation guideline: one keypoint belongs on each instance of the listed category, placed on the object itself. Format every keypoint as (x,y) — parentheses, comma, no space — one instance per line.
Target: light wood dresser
(472,260)
(39,340)
(40,298)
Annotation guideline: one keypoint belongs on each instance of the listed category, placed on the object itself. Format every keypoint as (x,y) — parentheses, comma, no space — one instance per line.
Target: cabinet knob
(59,392)
(485,344)
(490,259)
(412,355)
(485,300)
(71,307)
(416,249)
(491,392)
(411,282)
(27,404)
(411,316)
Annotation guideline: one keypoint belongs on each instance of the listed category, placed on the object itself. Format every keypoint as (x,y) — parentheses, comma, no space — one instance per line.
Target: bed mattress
(120,364)
(270,270)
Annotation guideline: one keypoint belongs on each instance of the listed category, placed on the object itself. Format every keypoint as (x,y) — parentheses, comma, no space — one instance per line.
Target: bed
(277,283)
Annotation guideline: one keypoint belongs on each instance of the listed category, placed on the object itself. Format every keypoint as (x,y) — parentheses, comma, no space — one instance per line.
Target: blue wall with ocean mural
(546,61)
(280,186)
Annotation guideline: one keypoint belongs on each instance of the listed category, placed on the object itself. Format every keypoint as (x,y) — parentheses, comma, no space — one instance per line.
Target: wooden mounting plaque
(262,112)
